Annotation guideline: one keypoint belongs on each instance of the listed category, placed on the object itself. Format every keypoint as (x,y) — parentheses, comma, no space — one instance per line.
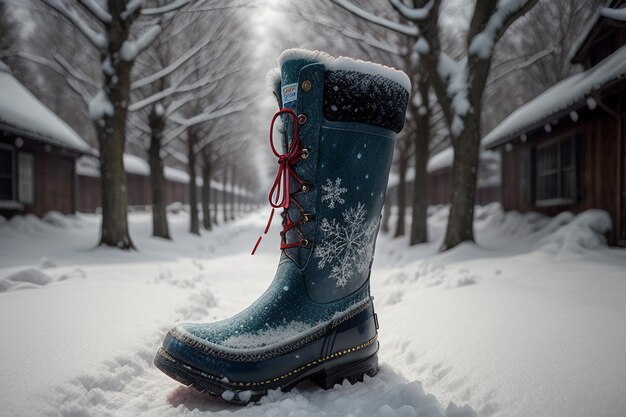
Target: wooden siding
(439,190)
(54,177)
(600,157)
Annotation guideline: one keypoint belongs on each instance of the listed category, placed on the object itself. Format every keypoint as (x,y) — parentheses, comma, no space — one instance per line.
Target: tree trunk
(464,173)
(158,185)
(224,195)
(206,188)
(421,141)
(401,197)
(109,113)
(215,205)
(194,224)
(232,194)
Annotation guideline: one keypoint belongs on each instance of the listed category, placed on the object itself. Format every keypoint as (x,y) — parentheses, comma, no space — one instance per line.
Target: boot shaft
(348,114)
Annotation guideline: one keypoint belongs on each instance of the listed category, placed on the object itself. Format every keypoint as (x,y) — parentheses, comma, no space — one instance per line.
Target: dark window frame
(567,177)
(33,182)
(13,175)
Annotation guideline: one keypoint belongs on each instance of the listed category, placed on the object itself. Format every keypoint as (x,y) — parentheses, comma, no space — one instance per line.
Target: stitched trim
(170,358)
(281,350)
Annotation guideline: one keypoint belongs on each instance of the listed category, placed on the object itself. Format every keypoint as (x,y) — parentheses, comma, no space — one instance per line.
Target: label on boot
(290,93)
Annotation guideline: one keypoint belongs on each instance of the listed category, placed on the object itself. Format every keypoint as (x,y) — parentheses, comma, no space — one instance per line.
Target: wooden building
(565,150)
(439,170)
(37,154)
(138,185)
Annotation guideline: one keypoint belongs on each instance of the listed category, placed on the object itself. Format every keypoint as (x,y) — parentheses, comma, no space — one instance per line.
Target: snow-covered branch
(96,10)
(175,5)
(395,26)
(96,38)
(524,64)
(453,75)
(74,72)
(176,64)
(70,78)
(410,13)
(130,49)
(482,44)
(205,117)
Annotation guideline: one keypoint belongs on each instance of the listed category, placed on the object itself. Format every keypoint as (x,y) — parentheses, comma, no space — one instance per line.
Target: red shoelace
(280,193)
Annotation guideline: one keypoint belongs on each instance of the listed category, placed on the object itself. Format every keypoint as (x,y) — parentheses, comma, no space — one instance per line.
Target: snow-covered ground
(528,323)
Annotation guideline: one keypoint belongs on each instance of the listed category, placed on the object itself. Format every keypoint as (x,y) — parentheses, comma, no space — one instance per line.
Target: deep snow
(529,322)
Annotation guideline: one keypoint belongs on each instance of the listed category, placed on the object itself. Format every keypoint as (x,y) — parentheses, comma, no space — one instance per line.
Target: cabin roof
(89,166)
(22,113)
(604,15)
(566,96)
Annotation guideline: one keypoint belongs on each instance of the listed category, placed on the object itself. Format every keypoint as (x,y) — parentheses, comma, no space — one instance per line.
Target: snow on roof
(89,166)
(603,12)
(22,111)
(348,64)
(568,94)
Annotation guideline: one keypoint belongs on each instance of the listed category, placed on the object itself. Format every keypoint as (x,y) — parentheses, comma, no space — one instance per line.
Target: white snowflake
(332,192)
(347,245)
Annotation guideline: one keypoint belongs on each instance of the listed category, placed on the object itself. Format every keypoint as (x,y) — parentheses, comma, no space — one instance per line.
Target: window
(556,172)
(26,177)
(7,176)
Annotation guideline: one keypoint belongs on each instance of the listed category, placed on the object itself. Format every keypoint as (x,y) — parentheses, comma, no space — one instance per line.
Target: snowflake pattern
(347,245)
(332,192)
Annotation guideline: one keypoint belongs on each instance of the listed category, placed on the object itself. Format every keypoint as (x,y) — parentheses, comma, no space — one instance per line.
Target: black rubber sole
(326,375)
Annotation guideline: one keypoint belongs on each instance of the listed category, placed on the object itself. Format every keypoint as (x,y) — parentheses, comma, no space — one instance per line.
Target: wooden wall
(599,159)
(54,184)
(439,190)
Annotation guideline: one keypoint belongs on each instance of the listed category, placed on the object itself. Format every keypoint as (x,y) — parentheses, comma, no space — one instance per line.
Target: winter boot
(316,320)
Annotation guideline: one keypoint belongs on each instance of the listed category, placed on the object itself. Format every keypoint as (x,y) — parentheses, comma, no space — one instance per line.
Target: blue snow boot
(316,320)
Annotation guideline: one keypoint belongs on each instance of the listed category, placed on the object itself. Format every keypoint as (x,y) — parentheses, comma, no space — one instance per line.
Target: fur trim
(347,64)
(272,78)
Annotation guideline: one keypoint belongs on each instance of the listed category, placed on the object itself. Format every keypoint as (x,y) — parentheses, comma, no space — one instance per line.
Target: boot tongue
(290,70)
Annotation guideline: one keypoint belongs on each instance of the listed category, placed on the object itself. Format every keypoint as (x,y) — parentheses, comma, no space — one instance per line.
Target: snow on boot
(316,320)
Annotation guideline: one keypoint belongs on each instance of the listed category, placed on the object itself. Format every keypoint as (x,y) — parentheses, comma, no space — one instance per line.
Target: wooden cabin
(37,154)
(565,150)
(439,170)
(138,185)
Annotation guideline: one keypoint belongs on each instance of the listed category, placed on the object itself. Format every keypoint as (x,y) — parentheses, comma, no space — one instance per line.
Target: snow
(528,322)
(482,44)
(614,14)
(97,39)
(130,49)
(89,166)
(348,64)
(100,106)
(398,27)
(22,111)
(98,10)
(567,95)
(410,13)
(454,74)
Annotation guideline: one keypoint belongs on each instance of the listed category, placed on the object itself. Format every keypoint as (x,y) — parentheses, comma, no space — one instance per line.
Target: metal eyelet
(305,188)
(306,85)
(302,118)
(304,154)
(306,217)
(304,243)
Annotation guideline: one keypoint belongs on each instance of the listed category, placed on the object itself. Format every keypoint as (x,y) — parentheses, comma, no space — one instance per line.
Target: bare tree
(115,29)
(181,53)
(459,85)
